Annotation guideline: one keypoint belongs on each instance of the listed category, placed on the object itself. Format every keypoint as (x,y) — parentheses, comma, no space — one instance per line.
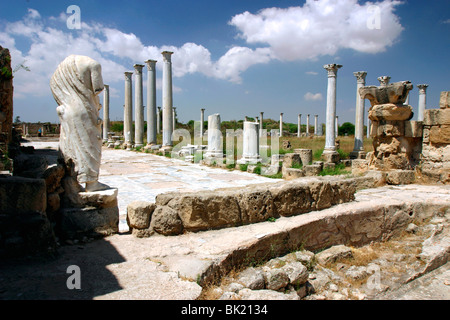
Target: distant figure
(75,85)
(39,132)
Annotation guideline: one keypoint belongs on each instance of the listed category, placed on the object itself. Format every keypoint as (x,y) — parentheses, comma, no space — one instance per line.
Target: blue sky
(235,58)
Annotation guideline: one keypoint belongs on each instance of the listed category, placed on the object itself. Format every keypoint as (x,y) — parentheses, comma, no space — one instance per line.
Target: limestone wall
(435,161)
(174,213)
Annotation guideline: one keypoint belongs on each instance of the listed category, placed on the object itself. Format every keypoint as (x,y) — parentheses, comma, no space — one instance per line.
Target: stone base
(249,160)
(357,155)
(330,156)
(397,177)
(90,214)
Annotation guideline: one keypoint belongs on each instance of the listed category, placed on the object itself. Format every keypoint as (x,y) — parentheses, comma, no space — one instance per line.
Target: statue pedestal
(92,214)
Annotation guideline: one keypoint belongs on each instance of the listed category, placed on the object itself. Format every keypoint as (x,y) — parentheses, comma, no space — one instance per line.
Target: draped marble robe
(75,85)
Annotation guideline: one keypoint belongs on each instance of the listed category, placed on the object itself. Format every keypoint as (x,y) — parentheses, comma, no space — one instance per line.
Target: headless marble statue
(75,85)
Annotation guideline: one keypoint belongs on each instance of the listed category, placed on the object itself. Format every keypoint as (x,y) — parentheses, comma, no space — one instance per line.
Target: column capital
(299,114)
(316,115)
(167,56)
(138,68)
(128,75)
(202,110)
(262,112)
(159,108)
(151,64)
(422,88)
(384,80)
(106,86)
(332,69)
(360,76)
(281,113)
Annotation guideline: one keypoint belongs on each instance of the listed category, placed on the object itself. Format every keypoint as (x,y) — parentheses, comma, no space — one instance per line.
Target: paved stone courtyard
(141,176)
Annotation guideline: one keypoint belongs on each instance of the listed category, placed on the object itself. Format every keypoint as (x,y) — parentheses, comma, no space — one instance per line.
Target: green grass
(243,167)
(338,170)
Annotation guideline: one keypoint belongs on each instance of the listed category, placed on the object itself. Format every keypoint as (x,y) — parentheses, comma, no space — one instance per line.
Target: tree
(347,128)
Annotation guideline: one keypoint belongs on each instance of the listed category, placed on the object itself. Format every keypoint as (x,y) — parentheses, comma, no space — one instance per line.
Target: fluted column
(138,107)
(215,142)
(422,100)
(128,110)
(106,122)
(167,125)
(316,124)
(151,102)
(358,149)
(202,122)
(174,117)
(281,124)
(299,125)
(336,130)
(158,121)
(329,152)
(307,125)
(261,124)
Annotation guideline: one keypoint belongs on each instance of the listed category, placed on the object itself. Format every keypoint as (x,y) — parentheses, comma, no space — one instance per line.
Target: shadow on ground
(47,278)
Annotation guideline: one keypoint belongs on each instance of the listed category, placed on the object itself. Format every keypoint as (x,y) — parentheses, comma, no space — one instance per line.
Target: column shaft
(299,125)
(151,102)
(128,110)
(422,100)
(281,124)
(106,122)
(316,125)
(167,125)
(139,107)
(331,107)
(359,118)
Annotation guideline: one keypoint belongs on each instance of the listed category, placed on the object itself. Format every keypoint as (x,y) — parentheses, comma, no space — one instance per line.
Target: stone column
(281,124)
(307,125)
(316,125)
(105,113)
(250,152)
(299,126)
(174,118)
(422,100)
(215,142)
(261,124)
(158,121)
(358,149)
(202,122)
(167,100)
(151,102)
(384,80)
(138,107)
(128,111)
(336,130)
(329,153)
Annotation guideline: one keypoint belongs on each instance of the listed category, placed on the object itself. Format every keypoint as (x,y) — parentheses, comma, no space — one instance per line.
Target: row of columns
(168,112)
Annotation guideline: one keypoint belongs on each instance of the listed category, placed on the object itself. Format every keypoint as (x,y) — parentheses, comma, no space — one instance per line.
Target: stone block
(20,195)
(397,177)
(433,117)
(256,205)
(390,112)
(99,199)
(207,210)
(440,134)
(329,166)
(444,101)
(291,159)
(292,173)
(166,221)
(373,129)
(306,156)
(90,221)
(334,254)
(359,166)
(413,129)
(139,214)
(391,128)
(312,170)
(330,156)
(291,199)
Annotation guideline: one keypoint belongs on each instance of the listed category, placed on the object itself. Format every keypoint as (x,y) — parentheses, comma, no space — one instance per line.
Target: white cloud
(312,73)
(320,28)
(309,96)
